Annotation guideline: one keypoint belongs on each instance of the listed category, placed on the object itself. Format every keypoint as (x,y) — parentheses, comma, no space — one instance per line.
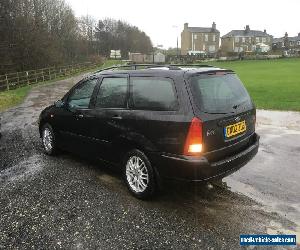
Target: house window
(203,47)
(236,39)
(238,49)
(298,42)
(212,48)
(263,39)
(243,39)
(291,43)
(195,37)
(214,38)
(257,39)
(206,37)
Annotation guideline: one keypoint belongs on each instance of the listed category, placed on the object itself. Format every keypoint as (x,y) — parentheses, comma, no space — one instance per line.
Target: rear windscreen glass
(219,93)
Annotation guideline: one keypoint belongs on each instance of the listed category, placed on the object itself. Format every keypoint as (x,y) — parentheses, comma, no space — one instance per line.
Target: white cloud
(157,18)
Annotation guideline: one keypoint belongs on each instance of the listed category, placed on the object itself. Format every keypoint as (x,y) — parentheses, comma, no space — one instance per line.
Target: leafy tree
(41,33)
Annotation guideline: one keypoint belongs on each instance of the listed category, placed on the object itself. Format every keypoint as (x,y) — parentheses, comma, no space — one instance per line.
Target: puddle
(290,211)
(272,177)
(24,170)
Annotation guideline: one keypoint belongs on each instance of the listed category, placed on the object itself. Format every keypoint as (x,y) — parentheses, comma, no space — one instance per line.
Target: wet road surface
(70,202)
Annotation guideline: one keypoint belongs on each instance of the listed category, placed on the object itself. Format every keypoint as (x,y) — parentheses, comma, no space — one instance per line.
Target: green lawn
(14,97)
(273,84)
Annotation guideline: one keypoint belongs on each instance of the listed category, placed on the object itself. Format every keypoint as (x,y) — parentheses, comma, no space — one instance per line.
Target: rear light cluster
(193,142)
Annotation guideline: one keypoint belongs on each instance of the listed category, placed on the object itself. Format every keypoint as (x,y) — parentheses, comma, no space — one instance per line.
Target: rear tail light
(193,142)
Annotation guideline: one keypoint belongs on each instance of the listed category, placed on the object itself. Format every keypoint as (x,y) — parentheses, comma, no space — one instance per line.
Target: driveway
(71,202)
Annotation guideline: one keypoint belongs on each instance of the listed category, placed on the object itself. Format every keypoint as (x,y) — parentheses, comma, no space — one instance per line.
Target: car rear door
(109,111)
(223,104)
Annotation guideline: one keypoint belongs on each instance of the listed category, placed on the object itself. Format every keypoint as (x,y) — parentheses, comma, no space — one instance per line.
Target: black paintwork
(109,133)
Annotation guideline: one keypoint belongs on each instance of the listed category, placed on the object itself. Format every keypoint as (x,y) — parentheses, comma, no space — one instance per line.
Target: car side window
(81,95)
(112,93)
(153,93)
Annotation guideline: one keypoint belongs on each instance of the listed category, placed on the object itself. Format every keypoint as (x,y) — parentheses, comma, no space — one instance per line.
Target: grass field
(272,84)
(14,97)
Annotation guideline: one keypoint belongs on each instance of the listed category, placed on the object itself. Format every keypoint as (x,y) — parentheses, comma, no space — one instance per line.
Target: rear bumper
(200,169)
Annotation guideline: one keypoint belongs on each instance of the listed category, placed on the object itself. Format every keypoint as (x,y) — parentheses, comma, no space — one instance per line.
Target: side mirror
(59,104)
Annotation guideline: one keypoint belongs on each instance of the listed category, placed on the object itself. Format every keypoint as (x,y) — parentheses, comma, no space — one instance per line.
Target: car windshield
(223,93)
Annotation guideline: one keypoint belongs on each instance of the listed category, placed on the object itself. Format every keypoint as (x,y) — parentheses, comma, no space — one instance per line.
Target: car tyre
(48,140)
(139,174)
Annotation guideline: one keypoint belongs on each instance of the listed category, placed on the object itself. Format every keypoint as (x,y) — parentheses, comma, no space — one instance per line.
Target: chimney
(299,34)
(247,28)
(186,25)
(214,26)
(265,31)
(286,35)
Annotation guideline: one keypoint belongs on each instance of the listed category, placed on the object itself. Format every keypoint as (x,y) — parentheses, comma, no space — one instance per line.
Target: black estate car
(181,122)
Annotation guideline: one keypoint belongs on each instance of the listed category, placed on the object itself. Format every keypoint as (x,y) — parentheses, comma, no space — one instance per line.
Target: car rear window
(223,93)
(112,93)
(153,93)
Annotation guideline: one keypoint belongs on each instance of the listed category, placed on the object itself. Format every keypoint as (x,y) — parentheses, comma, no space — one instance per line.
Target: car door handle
(79,116)
(117,117)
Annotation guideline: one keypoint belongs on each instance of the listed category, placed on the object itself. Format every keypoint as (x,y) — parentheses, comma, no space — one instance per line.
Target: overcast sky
(159,19)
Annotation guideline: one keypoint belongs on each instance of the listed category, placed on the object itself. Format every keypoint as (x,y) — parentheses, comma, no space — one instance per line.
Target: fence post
(18,79)
(43,75)
(49,74)
(7,83)
(27,77)
(35,76)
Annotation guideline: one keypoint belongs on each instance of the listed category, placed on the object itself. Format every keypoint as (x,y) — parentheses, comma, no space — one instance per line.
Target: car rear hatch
(227,113)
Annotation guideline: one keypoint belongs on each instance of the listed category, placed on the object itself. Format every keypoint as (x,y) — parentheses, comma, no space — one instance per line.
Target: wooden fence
(19,79)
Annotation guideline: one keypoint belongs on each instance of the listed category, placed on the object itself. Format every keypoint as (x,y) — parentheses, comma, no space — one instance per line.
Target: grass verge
(12,98)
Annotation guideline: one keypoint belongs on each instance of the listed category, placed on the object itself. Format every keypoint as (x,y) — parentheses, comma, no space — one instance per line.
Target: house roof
(251,33)
(294,38)
(202,30)
(278,40)
(290,39)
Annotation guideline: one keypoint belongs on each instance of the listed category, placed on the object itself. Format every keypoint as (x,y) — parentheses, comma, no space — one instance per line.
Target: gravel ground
(70,202)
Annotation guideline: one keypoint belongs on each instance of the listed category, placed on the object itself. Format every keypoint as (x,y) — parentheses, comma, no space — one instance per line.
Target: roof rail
(193,65)
(132,66)
(147,66)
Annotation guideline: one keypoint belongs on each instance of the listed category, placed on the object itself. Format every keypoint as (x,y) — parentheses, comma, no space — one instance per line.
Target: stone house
(287,43)
(246,40)
(199,40)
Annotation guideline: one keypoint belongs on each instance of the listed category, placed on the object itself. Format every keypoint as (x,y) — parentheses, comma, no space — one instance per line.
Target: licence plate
(235,129)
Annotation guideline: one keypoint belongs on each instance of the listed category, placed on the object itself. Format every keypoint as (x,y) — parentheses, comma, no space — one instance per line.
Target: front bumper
(200,169)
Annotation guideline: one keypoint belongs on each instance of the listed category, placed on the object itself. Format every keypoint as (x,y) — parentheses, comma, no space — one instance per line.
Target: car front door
(75,118)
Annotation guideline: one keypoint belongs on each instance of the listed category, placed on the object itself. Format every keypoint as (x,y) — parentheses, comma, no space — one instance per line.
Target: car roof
(159,70)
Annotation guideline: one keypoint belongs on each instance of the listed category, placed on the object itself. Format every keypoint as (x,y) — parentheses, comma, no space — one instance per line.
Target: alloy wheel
(47,140)
(137,174)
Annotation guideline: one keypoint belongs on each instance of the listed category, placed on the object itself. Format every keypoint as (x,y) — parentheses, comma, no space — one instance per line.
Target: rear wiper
(237,105)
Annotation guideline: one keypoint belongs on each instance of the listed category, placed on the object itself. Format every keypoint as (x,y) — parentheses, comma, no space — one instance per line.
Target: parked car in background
(183,122)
